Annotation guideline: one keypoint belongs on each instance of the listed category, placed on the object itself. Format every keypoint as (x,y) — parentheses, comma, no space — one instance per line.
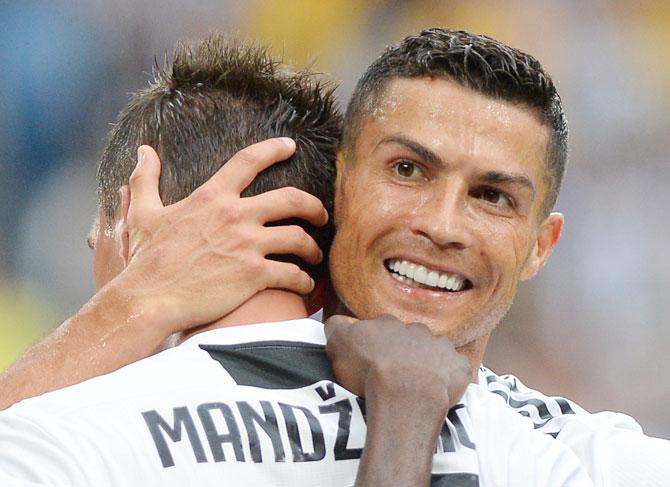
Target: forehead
(459,124)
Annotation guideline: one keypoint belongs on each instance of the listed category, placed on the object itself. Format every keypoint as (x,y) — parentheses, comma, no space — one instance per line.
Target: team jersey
(251,405)
(611,446)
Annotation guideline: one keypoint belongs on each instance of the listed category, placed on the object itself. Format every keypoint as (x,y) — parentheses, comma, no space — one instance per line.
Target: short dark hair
(213,99)
(479,63)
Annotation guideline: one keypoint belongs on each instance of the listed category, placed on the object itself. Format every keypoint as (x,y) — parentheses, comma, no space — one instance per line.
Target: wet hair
(477,62)
(214,98)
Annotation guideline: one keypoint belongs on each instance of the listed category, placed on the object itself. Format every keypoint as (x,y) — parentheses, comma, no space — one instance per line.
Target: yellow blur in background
(21,323)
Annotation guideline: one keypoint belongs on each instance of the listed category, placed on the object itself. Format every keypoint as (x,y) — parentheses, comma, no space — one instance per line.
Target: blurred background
(594,326)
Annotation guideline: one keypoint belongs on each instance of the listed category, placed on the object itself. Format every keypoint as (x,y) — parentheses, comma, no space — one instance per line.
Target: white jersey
(611,446)
(250,405)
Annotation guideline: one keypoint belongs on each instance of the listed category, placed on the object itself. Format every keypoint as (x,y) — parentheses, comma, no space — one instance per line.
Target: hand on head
(214,243)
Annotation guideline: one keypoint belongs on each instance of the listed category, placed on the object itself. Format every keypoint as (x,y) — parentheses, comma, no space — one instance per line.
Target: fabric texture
(611,446)
(251,405)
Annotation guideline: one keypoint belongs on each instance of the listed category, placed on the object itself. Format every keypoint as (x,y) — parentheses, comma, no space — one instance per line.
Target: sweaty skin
(135,309)
(458,191)
(433,195)
(405,395)
(409,379)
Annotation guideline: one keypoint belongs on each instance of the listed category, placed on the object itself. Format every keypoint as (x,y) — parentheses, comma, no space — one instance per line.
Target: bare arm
(188,264)
(409,379)
(113,329)
(399,444)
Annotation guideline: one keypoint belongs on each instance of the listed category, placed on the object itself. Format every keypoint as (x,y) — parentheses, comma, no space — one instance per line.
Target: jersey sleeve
(611,446)
(616,453)
(638,460)
(555,464)
(514,453)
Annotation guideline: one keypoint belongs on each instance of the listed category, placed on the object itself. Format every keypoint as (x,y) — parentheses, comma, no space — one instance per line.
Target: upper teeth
(428,277)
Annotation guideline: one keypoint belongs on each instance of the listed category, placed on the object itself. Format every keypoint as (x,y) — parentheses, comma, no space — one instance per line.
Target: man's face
(439,214)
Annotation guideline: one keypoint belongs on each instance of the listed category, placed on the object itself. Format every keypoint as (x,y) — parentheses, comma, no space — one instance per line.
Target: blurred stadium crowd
(594,326)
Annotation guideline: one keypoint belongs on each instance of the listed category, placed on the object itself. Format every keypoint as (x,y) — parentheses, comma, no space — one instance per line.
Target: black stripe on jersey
(273,364)
(541,406)
(454,480)
(564,405)
(540,403)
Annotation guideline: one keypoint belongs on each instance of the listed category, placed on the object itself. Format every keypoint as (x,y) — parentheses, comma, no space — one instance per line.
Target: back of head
(215,98)
(478,62)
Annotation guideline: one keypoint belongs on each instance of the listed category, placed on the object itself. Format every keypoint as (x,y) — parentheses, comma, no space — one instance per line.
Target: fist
(396,362)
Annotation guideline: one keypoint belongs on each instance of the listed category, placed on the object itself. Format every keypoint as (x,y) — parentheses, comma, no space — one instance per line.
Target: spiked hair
(213,99)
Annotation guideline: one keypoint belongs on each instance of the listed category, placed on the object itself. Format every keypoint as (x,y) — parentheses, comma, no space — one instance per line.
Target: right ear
(122,223)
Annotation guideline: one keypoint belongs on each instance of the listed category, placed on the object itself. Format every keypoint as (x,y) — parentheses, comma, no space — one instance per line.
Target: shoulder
(610,445)
(165,372)
(186,371)
(513,452)
(549,414)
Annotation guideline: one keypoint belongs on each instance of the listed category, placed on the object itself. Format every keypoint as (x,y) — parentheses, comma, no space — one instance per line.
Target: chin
(460,333)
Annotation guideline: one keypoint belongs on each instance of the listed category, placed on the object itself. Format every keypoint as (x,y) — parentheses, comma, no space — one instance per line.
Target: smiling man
(446,177)
(452,158)
(249,397)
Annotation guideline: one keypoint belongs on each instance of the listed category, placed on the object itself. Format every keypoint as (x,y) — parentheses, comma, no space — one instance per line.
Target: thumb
(144,194)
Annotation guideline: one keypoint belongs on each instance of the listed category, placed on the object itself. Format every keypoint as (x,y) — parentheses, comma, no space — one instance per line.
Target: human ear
(545,242)
(122,224)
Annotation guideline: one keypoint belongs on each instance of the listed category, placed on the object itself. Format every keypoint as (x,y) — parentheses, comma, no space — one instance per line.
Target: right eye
(408,169)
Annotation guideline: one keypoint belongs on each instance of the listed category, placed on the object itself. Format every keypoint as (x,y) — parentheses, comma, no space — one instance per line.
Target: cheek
(362,219)
(515,252)
(506,244)
(355,210)
(377,216)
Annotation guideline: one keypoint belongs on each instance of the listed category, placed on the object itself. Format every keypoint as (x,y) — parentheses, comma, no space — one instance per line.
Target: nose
(442,216)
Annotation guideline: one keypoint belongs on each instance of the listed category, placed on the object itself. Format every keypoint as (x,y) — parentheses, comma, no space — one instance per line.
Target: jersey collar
(302,330)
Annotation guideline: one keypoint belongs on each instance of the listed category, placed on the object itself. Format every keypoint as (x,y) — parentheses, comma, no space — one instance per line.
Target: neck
(266,306)
(474,351)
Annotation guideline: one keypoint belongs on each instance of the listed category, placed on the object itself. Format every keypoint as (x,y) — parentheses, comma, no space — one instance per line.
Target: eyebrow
(422,151)
(496,177)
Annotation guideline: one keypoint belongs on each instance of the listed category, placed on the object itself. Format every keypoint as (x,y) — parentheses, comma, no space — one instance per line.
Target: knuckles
(246,156)
(398,359)
(136,177)
(293,197)
(294,273)
(300,237)
(204,195)
(229,212)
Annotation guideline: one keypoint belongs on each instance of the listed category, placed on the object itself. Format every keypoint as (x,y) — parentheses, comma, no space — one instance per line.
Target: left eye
(494,197)
(408,170)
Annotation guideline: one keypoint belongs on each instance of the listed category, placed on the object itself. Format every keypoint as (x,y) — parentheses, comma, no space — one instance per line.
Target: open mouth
(423,277)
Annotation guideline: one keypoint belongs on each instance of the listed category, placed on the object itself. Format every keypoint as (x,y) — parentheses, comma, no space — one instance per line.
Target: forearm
(399,445)
(112,330)
(409,379)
